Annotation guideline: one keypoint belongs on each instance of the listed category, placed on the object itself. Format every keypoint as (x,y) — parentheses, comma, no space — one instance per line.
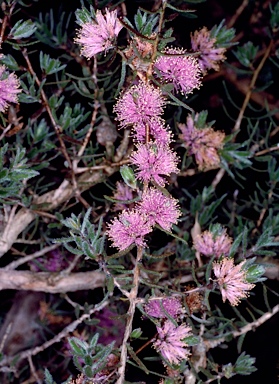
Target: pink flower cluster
(129,228)
(161,308)
(123,193)
(231,280)
(99,35)
(179,69)
(203,143)
(170,342)
(209,244)
(132,225)
(209,55)
(9,88)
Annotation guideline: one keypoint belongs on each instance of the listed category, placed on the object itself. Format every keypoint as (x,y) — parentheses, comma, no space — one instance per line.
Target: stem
(251,87)
(247,328)
(56,127)
(236,127)
(160,26)
(131,312)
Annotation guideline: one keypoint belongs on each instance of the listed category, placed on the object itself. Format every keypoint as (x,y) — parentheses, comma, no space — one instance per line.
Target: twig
(34,255)
(267,150)
(50,282)
(5,21)
(131,312)
(247,328)
(5,130)
(238,12)
(236,127)
(160,26)
(93,119)
(33,371)
(70,301)
(251,87)
(61,335)
(48,109)
(100,167)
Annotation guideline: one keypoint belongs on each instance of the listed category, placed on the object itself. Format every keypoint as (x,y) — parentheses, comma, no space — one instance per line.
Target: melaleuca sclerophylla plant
(160,254)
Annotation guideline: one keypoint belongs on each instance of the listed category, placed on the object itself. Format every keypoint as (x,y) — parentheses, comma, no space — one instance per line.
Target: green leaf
(222,35)
(78,346)
(110,283)
(192,340)
(181,10)
(88,371)
(84,16)
(244,365)
(22,29)
(48,377)
(274,20)
(50,66)
(136,333)
(242,237)
(128,176)
(254,273)
(10,63)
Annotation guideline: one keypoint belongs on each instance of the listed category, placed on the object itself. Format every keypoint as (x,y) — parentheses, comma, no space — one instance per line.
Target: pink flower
(202,142)
(159,208)
(9,85)
(232,280)
(157,131)
(139,105)
(123,192)
(100,35)
(130,228)
(210,245)
(170,342)
(158,308)
(180,70)
(153,161)
(210,55)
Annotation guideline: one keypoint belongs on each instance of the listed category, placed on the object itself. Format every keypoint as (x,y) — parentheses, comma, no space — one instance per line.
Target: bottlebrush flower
(231,280)
(123,192)
(140,104)
(130,228)
(9,85)
(210,56)
(159,208)
(99,35)
(157,131)
(202,143)
(158,308)
(178,69)
(170,342)
(209,244)
(153,161)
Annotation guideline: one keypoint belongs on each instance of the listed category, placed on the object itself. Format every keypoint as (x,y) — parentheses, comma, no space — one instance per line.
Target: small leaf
(10,63)
(244,364)
(22,29)
(78,346)
(110,284)
(136,333)
(192,340)
(48,377)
